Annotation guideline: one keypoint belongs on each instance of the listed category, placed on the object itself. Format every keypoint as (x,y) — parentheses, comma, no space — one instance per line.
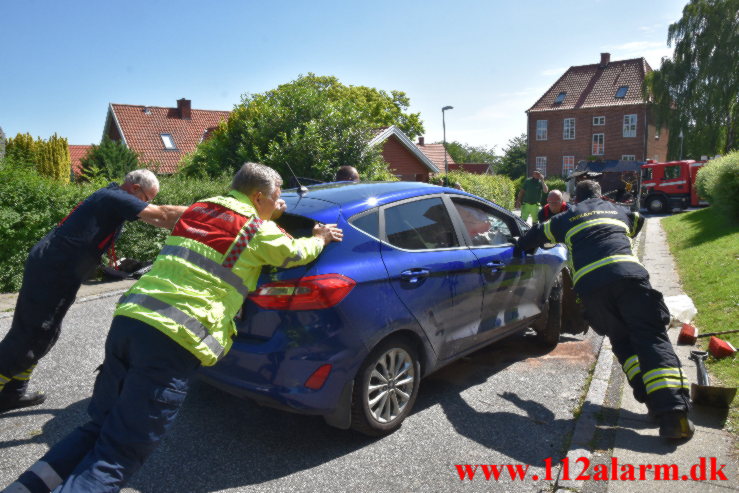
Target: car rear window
(296,226)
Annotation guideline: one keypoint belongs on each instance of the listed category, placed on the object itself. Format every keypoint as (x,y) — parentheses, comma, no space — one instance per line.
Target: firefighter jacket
(598,235)
(208,265)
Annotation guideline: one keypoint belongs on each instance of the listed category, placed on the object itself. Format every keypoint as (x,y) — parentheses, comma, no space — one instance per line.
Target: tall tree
(697,90)
(314,124)
(53,159)
(110,159)
(21,150)
(2,143)
(465,153)
(513,162)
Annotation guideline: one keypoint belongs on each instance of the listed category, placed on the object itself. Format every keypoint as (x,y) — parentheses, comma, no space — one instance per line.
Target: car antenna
(302,190)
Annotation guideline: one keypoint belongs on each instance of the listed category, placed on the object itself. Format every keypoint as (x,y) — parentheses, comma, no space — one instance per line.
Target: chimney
(605,59)
(420,141)
(183,106)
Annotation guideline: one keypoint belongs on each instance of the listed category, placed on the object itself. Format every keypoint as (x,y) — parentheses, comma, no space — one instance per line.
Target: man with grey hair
(555,205)
(55,269)
(177,317)
(620,302)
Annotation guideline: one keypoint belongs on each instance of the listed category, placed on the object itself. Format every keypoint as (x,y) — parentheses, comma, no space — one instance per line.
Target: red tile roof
(76,153)
(435,153)
(590,86)
(142,127)
(477,168)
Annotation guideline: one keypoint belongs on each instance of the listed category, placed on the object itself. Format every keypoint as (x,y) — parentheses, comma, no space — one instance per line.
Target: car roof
(321,201)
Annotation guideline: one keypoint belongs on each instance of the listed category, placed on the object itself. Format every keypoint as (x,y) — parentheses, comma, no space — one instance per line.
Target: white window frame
(598,143)
(541,129)
(568,165)
(599,121)
(628,157)
(630,125)
(568,133)
(541,165)
(168,141)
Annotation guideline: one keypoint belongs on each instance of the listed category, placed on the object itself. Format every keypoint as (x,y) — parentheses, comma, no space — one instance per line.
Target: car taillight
(316,381)
(307,293)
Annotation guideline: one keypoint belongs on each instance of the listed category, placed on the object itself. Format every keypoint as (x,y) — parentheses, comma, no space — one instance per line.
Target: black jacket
(598,235)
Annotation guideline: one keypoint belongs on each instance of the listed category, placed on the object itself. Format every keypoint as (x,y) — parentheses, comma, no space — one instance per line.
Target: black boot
(676,425)
(9,402)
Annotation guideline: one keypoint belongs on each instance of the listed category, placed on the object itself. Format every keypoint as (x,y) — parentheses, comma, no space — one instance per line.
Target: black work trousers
(634,317)
(47,292)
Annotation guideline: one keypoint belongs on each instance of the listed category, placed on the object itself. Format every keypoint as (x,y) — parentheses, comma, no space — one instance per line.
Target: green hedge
(30,206)
(495,188)
(718,182)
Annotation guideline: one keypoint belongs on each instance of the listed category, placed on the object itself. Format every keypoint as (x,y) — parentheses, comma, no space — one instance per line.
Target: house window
(629,125)
(541,129)
(568,165)
(168,141)
(569,130)
(560,97)
(599,120)
(541,165)
(599,146)
(628,157)
(621,92)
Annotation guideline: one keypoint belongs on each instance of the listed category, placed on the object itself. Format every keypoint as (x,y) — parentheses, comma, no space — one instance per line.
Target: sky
(62,63)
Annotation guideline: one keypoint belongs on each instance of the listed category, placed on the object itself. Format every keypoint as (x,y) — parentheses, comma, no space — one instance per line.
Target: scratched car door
(434,276)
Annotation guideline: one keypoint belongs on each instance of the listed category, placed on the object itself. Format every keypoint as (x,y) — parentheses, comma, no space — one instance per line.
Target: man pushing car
(175,318)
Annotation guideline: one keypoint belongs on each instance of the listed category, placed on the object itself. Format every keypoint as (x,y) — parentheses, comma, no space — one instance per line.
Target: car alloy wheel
(391,385)
(386,388)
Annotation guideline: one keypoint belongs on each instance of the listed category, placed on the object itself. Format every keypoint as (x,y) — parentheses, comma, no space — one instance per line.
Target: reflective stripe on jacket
(598,236)
(208,265)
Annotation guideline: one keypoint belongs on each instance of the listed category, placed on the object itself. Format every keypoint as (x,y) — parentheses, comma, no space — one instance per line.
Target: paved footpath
(624,433)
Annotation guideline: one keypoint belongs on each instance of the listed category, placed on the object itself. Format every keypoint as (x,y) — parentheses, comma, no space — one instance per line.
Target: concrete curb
(582,437)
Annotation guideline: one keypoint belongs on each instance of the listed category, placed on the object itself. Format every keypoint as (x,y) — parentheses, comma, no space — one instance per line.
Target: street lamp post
(681,144)
(443,125)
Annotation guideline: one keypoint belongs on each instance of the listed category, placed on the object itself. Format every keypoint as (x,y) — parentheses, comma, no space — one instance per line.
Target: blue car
(424,276)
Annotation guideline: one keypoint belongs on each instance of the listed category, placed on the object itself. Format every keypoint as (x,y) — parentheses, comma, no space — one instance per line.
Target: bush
(495,188)
(718,182)
(30,205)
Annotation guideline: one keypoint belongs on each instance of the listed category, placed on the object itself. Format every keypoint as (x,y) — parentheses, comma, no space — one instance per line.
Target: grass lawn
(706,250)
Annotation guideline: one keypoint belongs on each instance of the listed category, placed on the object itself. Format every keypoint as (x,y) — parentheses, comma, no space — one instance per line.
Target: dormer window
(168,141)
(560,97)
(621,93)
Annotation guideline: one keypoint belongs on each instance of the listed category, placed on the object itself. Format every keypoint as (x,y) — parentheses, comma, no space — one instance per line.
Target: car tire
(386,388)
(549,327)
(656,205)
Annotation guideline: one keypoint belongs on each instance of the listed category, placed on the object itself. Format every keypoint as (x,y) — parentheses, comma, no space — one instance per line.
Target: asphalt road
(506,404)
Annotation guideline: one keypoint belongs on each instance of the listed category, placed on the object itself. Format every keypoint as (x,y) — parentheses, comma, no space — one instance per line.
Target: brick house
(594,112)
(162,136)
(405,160)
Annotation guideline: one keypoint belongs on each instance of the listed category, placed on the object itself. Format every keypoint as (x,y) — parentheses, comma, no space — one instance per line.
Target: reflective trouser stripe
(47,474)
(631,367)
(208,265)
(24,375)
(4,379)
(182,318)
(661,378)
(602,262)
(16,488)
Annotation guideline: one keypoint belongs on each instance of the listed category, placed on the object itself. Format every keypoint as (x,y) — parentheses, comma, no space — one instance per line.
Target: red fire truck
(671,185)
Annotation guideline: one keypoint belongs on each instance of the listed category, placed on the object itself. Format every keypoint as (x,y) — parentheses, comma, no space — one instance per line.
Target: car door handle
(414,276)
(494,266)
